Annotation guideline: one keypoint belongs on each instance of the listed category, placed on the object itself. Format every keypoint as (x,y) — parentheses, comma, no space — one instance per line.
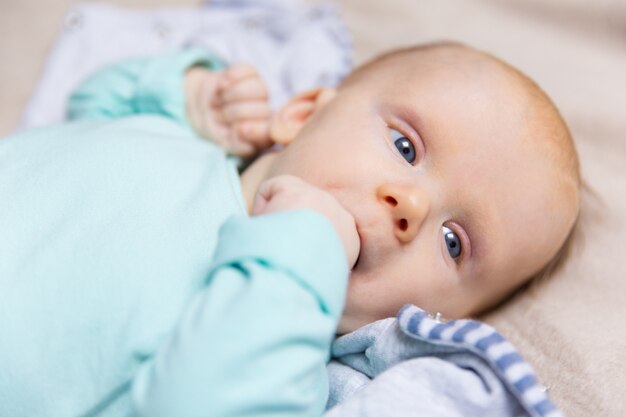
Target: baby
(456,171)
(436,175)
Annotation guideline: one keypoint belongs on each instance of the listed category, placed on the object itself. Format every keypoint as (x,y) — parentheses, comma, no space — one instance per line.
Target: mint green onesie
(132,281)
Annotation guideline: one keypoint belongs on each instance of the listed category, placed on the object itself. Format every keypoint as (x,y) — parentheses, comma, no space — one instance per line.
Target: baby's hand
(230,107)
(287,192)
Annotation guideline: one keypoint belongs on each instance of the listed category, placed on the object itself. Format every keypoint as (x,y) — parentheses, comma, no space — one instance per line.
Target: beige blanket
(572,328)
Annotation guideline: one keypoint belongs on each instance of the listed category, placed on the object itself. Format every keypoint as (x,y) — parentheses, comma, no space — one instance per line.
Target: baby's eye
(404,145)
(453,243)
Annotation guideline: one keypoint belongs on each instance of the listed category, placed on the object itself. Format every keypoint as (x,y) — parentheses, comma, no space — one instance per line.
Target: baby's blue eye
(453,243)
(404,145)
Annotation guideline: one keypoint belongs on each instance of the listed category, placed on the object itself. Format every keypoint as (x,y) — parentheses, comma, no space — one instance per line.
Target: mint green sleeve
(255,339)
(139,85)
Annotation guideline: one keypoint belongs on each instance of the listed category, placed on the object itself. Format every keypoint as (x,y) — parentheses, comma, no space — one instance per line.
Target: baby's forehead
(444,67)
(469,87)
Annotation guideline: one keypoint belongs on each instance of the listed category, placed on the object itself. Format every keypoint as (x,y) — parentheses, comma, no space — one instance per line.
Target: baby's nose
(408,206)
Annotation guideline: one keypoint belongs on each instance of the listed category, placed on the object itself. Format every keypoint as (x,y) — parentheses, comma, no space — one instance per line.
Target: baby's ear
(290,119)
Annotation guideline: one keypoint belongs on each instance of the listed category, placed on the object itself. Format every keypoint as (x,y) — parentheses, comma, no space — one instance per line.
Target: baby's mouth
(358,258)
(357,261)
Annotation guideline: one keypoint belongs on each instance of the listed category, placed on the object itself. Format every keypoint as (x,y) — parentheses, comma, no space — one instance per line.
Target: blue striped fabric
(486,342)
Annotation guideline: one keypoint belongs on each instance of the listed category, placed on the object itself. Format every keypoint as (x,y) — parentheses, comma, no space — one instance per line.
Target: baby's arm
(255,339)
(152,85)
(230,106)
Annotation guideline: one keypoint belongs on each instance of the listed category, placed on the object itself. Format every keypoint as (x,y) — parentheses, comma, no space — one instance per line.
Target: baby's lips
(356,262)
(358,257)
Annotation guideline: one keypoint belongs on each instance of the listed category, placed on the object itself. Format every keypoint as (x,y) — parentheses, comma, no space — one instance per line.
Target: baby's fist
(230,107)
(286,192)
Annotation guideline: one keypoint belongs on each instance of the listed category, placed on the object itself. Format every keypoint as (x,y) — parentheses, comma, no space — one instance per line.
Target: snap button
(73,21)
(161,29)
(438,317)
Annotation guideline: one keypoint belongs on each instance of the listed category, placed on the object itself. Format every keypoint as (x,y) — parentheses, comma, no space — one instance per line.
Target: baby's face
(453,200)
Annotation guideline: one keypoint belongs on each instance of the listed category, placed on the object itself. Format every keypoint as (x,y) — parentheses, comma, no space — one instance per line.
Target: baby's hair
(556,139)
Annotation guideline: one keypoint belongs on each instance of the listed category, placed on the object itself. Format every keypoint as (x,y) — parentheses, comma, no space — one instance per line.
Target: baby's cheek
(374,295)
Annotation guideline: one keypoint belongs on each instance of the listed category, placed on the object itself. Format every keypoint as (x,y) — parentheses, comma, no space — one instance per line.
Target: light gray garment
(415,365)
(294,46)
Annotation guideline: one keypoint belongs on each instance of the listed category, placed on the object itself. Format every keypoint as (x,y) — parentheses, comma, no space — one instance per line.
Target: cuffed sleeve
(255,339)
(140,85)
(307,253)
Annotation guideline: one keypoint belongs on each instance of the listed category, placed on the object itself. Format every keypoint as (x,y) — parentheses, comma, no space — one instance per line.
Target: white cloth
(293,46)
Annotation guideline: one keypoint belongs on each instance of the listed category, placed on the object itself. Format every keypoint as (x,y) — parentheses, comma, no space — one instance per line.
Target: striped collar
(484,341)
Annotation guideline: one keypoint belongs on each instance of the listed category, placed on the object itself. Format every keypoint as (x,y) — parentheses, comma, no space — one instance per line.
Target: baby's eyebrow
(411,116)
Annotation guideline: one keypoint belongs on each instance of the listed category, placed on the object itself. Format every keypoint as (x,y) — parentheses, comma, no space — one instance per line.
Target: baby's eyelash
(405,145)
(463,241)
